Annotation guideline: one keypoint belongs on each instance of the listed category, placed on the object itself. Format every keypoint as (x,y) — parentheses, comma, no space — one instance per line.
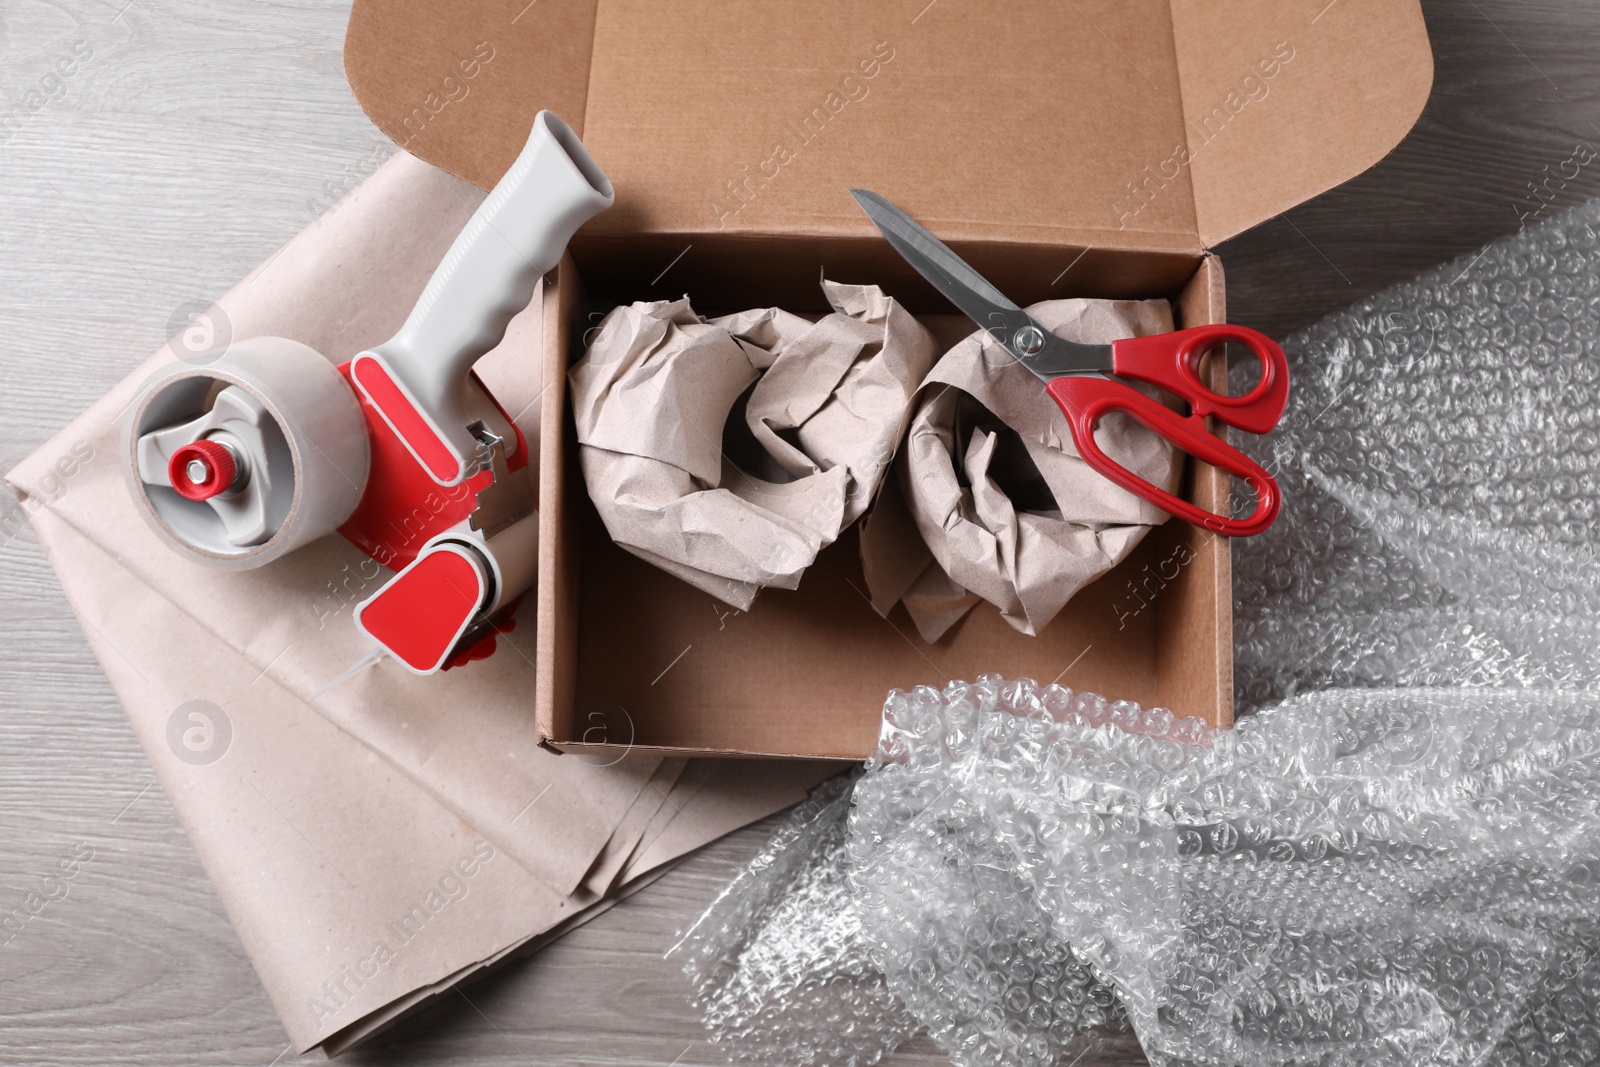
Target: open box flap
(457,83)
(1006,121)
(1284,99)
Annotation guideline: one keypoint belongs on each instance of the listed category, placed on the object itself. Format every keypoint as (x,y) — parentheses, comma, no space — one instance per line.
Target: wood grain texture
(196,139)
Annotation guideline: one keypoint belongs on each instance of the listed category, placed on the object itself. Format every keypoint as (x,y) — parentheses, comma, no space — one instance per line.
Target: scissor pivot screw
(1028,341)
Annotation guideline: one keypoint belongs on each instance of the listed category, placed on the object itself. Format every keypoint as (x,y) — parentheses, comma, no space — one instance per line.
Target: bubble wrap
(1397,860)
(777,964)
(1440,463)
(1363,877)
(956,924)
(1344,879)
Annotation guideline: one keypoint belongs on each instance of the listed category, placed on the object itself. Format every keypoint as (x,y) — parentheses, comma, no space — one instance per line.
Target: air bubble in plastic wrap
(1440,463)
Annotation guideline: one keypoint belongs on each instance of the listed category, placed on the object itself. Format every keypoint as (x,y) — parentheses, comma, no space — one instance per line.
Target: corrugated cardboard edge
(1203,301)
(555,643)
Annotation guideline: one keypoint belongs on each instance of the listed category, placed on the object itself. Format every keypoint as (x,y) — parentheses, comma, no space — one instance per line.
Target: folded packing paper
(990,499)
(730,451)
(377,837)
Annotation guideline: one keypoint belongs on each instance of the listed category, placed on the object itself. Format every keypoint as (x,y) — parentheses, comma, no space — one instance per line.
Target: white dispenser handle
(418,378)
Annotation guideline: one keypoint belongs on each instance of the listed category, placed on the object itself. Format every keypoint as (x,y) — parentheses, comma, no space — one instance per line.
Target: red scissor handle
(1172,361)
(1086,400)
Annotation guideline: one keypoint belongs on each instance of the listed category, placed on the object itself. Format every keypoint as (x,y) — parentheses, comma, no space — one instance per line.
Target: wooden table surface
(193,138)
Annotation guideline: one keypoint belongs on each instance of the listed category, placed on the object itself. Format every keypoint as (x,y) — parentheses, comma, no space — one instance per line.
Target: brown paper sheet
(991,501)
(373,836)
(633,828)
(720,805)
(729,452)
(684,791)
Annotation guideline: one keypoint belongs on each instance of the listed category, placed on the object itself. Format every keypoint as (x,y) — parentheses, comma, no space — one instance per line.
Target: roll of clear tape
(315,454)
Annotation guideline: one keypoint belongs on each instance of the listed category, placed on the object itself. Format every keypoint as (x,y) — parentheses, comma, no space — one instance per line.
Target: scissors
(1076,376)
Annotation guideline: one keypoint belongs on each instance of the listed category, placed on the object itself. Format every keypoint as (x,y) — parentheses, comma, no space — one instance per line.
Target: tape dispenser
(239,457)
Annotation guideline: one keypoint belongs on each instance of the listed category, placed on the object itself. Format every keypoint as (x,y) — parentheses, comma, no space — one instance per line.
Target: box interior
(630,656)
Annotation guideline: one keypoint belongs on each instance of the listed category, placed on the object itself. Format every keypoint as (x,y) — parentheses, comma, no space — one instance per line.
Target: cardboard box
(1092,148)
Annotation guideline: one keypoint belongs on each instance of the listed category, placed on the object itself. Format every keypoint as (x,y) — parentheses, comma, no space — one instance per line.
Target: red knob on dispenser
(202,469)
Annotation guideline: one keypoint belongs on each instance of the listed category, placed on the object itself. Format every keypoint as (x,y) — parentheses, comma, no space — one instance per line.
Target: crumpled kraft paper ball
(990,499)
(730,451)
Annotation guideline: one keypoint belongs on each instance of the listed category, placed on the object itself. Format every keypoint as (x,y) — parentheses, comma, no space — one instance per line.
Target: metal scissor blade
(949,273)
(1038,349)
